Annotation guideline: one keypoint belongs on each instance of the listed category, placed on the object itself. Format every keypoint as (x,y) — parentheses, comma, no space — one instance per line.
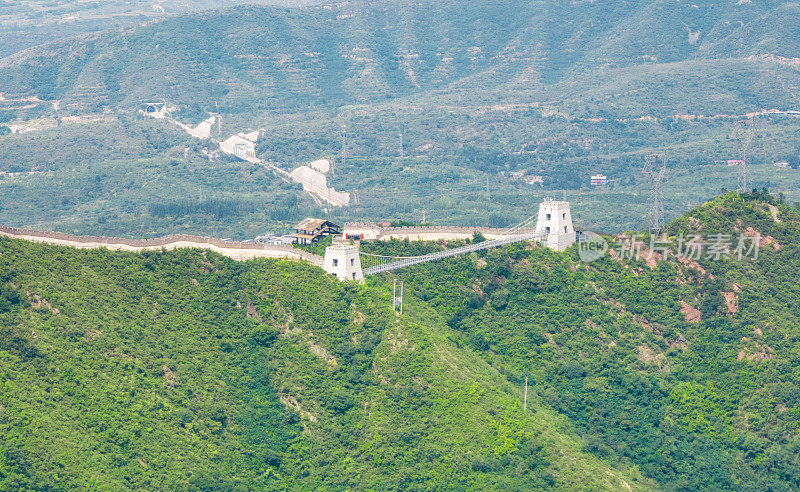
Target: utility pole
(525,405)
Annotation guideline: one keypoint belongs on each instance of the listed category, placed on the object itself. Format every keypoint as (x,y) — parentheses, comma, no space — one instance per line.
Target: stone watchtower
(342,260)
(555,222)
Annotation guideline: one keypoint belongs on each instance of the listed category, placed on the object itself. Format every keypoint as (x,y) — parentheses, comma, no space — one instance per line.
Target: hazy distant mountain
(26,24)
(254,57)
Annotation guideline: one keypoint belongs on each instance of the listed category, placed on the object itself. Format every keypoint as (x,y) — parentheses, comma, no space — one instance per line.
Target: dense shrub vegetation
(188,371)
(191,371)
(706,405)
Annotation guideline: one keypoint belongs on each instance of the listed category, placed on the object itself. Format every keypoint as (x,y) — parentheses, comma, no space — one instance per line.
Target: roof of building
(310,224)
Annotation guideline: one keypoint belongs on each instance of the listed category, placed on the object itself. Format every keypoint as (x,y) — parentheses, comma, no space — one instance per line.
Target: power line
(344,147)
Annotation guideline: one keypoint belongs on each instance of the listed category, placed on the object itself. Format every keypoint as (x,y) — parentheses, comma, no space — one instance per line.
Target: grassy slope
(131,371)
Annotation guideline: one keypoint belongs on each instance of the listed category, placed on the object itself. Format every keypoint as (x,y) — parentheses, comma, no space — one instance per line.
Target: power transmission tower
(344,147)
(488,193)
(647,169)
(401,144)
(398,300)
(656,177)
(745,135)
(657,212)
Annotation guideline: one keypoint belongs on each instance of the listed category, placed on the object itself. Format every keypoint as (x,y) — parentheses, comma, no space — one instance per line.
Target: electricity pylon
(745,135)
(656,178)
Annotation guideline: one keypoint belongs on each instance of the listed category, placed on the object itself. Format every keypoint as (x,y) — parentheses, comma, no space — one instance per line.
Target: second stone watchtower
(555,223)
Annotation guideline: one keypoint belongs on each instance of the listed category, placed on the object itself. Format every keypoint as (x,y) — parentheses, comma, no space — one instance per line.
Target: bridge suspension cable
(525,224)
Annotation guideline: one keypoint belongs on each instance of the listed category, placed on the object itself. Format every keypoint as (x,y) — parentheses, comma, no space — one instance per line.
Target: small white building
(599,180)
(555,222)
(343,261)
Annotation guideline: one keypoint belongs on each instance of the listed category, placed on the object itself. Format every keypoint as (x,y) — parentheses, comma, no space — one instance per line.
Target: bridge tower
(343,260)
(555,222)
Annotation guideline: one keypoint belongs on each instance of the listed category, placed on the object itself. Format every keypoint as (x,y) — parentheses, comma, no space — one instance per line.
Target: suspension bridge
(553,228)
(372,263)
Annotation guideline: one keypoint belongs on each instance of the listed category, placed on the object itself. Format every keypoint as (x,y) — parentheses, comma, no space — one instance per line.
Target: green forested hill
(686,369)
(188,371)
(185,370)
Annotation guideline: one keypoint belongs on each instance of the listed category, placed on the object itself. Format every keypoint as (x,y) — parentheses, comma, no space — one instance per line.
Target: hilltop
(679,365)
